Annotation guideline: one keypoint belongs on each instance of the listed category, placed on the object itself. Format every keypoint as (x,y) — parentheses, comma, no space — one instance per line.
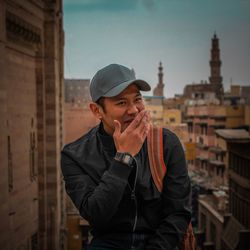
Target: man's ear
(96,110)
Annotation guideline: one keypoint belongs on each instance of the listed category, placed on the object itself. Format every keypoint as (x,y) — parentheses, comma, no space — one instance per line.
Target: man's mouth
(128,121)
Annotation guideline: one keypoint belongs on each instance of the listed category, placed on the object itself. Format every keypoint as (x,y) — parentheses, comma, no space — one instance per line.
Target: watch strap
(125,158)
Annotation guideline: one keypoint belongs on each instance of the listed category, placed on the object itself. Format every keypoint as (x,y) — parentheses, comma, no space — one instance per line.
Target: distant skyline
(141,33)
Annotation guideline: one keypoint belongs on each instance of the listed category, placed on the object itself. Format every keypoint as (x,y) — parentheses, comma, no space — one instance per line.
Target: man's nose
(132,109)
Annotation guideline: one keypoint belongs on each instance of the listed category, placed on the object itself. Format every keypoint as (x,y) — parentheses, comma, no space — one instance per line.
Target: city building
(167,112)
(154,104)
(156,111)
(172,116)
(203,121)
(212,91)
(78,120)
(159,89)
(32,206)
(236,231)
(213,209)
(77,92)
(208,112)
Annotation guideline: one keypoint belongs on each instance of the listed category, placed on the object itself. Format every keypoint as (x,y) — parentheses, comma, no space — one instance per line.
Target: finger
(142,125)
(142,129)
(145,132)
(147,129)
(148,116)
(145,120)
(117,131)
(134,124)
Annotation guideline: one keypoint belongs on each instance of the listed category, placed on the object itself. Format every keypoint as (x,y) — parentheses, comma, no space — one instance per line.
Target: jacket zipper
(135,220)
(133,196)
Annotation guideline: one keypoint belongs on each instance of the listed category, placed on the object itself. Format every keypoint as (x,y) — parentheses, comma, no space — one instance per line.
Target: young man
(107,173)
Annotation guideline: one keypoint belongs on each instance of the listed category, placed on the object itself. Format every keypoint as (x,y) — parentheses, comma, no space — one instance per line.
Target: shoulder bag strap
(155,155)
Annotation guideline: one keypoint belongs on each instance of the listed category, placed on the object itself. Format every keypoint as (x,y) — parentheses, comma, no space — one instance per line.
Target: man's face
(123,107)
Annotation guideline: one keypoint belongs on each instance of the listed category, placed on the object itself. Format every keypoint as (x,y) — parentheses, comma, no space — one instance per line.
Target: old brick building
(213,89)
(77,92)
(32,206)
(159,89)
(78,119)
(237,227)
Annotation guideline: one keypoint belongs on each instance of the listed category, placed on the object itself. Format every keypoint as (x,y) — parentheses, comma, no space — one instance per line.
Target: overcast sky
(141,33)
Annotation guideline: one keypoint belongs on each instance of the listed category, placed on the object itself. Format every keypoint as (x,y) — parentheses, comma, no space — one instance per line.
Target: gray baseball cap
(112,80)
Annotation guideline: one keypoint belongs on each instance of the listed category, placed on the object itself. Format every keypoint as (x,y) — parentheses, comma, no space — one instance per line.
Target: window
(201,140)
(217,171)
(205,130)
(222,157)
(217,157)
(190,127)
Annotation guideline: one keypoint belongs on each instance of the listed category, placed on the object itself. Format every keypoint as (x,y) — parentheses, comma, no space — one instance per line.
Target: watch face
(127,159)
(124,157)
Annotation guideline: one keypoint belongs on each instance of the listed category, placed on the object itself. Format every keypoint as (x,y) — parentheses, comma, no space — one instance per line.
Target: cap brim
(142,85)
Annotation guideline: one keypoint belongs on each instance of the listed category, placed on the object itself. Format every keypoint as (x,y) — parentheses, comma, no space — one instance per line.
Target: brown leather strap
(156,156)
(158,170)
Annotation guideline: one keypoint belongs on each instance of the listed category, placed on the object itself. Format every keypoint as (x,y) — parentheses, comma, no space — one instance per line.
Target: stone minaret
(215,78)
(158,91)
(215,63)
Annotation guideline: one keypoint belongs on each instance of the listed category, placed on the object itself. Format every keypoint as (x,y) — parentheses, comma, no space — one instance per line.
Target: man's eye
(139,99)
(120,103)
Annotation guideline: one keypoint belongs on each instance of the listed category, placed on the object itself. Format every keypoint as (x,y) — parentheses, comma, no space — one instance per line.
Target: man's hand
(133,137)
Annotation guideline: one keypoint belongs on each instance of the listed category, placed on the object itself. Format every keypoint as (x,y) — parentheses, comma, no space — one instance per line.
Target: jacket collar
(106,140)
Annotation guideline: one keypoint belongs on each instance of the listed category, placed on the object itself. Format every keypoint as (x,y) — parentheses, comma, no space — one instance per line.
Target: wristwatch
(125,158)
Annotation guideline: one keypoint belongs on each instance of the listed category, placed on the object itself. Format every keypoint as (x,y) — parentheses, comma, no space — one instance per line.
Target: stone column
(53,121)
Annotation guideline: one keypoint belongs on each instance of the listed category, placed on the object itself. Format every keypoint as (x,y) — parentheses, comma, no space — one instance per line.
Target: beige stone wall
(234,116)
(156,113)
(21,118)
(172,117)
(19,211)
(218,111)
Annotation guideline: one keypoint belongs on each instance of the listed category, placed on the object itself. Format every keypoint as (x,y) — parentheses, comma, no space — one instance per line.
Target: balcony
(216,150)
(217,163)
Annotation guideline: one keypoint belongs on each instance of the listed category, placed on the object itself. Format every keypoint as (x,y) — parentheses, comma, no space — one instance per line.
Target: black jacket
(114,197)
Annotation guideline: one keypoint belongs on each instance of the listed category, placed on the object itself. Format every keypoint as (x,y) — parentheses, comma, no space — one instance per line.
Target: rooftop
(233,134)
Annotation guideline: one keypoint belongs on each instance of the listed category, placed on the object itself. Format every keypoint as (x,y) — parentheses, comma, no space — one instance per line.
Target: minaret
(158,91)
(215,62)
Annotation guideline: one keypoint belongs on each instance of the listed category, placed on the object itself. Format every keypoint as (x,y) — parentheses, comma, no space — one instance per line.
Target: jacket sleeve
(97,203)
(175,197)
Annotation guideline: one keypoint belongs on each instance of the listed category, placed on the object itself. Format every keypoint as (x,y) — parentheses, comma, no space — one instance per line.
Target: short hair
(100,102)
